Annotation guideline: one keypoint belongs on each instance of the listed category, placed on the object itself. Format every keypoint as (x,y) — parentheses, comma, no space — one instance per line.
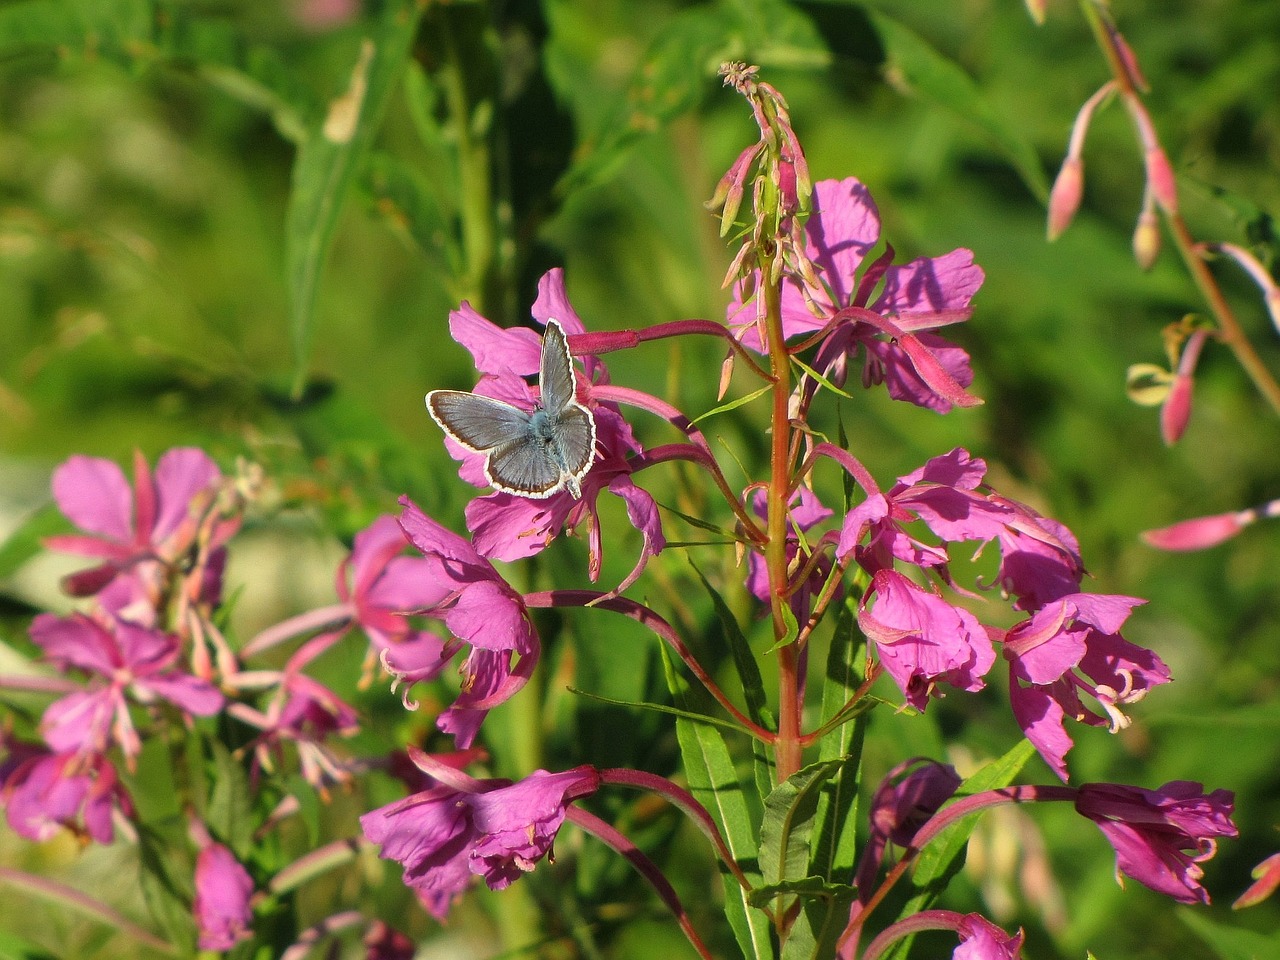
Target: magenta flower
(384,942)
(1069,647)
(127,659)
(980,939)
(155,521)
(893,331)
(48,791)
(805,512)
(1161,836)
(223,888)
(904,801)
(304,712)
(922,640)
(507,527)
(382,587)
(481,610)
(463,827)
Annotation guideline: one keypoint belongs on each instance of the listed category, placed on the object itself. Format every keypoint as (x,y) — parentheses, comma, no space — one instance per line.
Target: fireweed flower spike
(894,329)
(509,527)
(149,525)
(463,827)
(480,609)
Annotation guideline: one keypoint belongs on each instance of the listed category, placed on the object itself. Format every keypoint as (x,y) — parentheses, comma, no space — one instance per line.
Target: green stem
(475,163)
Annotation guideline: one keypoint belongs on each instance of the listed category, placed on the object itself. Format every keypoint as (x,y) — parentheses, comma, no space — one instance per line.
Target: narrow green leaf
(690,715)
(745,661)
(733,404)
(820,378)
(931,75)
(699,523)
(165,881)
(714,781)
(1229,942)
(788,822)
(14,947)
(835,843)
(824,913)
(793,629)
(327,163)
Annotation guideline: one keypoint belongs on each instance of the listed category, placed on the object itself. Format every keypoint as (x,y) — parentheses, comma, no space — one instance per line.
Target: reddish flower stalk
(1161,181)
(643,615)
(607,835)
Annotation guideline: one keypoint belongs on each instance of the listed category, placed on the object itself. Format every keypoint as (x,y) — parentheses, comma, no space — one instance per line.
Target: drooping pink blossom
(922,640)
(49,791)
(383,587)
(223,888)
(909,795)
(894,329)
(1072,646)
(153,523)
(508,527)
(1161,836)
(980,939)
(481,611)
(128,662)
(463,827)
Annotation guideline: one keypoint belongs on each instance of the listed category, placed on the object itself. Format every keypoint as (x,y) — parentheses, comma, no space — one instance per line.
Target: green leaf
(690,715)
(824,913)
(14,947)
(745,661)
(166,871)
(788,822)
(327,163)
(402,198)
(25,542)
(714,781)
(942,859)
(926,72)
(835,842)
(697,522)
(734,404)
(1231,943)
(793,629)
(229,811)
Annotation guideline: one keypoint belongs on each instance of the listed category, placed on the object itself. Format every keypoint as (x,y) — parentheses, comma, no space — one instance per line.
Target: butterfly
(528,454)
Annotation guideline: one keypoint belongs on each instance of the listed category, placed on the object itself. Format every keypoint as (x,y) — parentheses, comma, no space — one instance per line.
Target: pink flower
(482,611)
(893,331)
(384,942)
(127,659)
(154,523)
(463,827)
(904,801)
(382,587)
(223,889)
(980,939)
(1153,830)
(306,713)
(1073,646)
(48,791)
(507,527)
(921,639)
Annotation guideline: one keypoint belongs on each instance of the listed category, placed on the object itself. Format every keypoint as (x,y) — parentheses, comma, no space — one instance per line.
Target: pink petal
(95,496)
(517,351)
(930,284)
(181,474)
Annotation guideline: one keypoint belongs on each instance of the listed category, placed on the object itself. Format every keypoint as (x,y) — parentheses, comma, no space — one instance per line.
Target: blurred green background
(187,258)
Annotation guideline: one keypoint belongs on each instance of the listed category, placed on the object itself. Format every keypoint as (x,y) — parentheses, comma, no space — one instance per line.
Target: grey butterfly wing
(556,376)
(576,435)
(526,468)
(478,423)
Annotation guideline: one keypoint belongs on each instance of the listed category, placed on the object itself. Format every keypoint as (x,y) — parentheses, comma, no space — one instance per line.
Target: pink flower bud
(1064,200)
(1267,877)
(1200,532)
(1161,180)
(1176,410)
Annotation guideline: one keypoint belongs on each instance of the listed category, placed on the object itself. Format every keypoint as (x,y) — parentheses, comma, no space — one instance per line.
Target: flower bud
(1037,10)
(1146,238)
(1199,532)
(1064,200)
(1176,410)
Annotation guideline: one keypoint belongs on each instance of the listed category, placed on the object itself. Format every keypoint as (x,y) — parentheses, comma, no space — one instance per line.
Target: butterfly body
(527,453)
